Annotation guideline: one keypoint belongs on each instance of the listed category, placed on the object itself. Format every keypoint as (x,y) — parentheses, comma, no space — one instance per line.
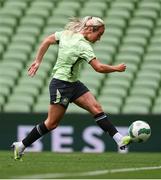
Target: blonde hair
(79,24)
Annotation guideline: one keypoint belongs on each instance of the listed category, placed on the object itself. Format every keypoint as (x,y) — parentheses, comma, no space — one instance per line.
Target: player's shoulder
(84,44)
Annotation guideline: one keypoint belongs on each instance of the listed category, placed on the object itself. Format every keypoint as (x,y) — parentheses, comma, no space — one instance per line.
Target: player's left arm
(40,54)
(105,68)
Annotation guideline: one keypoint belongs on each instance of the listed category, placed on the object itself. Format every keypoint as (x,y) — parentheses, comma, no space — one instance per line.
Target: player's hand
(33,68)
(121,67)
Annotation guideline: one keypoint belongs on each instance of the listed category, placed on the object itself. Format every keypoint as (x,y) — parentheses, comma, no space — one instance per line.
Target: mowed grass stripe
(90,173)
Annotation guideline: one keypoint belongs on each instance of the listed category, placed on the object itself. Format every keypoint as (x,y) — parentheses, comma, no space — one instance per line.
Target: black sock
(104,123)
(35,134)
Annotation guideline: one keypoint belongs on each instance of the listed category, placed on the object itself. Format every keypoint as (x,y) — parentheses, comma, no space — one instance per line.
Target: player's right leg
(55,113)
(18,149)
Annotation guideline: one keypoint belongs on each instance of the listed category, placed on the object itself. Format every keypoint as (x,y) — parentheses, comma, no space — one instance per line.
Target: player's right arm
(41,51)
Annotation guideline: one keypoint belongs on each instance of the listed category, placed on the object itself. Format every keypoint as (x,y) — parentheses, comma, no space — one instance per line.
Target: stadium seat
(33,21)
(118,12)
(10,12)
(152,57)
(153,48)
(104,57)
(87,12)
(158,28)
(156,39)
(128,55)
(113,91)
(115,21)
(110,108)
(13,65)
(135,40)
(138,32)
(64,13)
(5,35)
(150,5)
(132,36)
(24,38)
(146,82)
(142,22)
(135,109)
(49,5)
(96,5)
(143,91)
(57,21)
(21,99)
(16,55)
(146,12)
(132,49)
(22,47)
(147,75)
(127,5)
(50,29)
(26,90)
(138,100)
(69,5)
(41,107)
(8,21)
(12,73)
(75,109)
(30,30)
(113,38)
(39,11)
(110,101)
(151,66)
(156,109)
(125,76)
(37,81)
(7,81)
(5,90)
(117,83)
(2,100)
(1,49)
(105,48)
(3,42)
(16,4)
(14,107)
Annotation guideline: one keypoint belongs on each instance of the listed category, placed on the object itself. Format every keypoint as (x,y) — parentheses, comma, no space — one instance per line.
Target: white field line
(88,173)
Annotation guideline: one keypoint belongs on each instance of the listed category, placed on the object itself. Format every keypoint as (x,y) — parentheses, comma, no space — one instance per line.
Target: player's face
(96,35)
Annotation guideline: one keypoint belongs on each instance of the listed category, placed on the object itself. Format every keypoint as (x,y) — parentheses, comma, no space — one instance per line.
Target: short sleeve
(58,35)
(87,52)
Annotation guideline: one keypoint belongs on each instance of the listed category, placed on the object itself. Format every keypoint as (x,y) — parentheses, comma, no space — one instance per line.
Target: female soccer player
(74,49)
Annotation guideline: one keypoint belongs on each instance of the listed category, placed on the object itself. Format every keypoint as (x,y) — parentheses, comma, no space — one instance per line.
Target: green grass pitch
(81,165)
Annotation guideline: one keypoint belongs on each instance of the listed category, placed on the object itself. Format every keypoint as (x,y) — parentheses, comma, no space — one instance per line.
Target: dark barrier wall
(76,132)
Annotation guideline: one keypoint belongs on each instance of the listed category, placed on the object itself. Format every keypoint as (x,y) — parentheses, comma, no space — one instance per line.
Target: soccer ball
(139,131)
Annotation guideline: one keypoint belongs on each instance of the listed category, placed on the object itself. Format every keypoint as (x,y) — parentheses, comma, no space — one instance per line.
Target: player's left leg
(88,102)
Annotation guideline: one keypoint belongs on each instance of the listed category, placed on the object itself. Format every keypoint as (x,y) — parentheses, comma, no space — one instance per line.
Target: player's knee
(50,124)
(97,108)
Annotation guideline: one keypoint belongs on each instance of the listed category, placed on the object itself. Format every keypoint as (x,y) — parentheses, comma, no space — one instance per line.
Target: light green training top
(73,50)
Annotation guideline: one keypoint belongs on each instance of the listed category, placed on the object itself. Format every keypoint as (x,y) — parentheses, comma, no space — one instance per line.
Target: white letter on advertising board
(61,139)
(89,137)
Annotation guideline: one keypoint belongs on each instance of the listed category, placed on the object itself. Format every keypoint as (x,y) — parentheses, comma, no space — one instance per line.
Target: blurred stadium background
(133,36)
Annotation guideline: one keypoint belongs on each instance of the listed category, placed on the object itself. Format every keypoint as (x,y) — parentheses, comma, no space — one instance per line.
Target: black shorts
(63,92)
